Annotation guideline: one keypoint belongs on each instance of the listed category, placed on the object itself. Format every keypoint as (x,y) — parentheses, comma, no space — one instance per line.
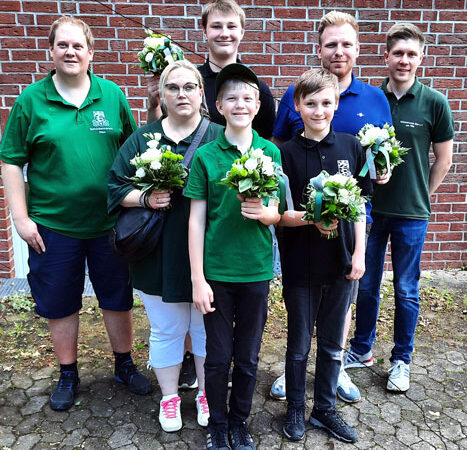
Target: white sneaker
(346,389)
(278,388)
(203,409)
(399,377)
(169,414)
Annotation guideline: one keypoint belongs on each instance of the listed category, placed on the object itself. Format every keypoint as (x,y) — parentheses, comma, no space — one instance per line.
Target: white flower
(268,168)
(257,153)
(168,148)
(152,143)
(251,164)
(337,178)
(266,159)
(238,166)
(149,56)
(344,196)
(157,136)
(151,155)
(372,134)
(140,173)
(156,165)
(153,42)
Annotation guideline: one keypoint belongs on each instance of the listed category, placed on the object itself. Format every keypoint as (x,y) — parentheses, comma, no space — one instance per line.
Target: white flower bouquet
(333,197)
(158,168)
(254,175)
(158,52)
(383,150)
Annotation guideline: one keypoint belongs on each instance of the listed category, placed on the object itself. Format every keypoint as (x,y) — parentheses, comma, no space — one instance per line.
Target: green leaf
(244,184)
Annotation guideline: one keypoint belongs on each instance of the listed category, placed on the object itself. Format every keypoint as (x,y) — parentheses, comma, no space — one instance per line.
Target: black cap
(235,71)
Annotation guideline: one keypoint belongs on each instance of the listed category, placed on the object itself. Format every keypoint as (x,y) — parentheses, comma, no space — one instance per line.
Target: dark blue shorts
(56,277)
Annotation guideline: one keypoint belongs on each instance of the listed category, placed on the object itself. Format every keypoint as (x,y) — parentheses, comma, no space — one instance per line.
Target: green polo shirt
(70,151)
(165,272)
(235,249)
(420,117)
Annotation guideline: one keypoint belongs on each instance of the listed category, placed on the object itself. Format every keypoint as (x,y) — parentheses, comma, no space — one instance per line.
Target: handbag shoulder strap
(195,142)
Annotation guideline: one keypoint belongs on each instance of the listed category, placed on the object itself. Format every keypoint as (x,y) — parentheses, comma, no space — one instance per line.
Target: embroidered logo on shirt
(343,167)
(360,114)
(411,124)
(99,119)
(100,123)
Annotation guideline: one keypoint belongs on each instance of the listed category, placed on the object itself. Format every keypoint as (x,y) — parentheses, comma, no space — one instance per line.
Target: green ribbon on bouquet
(371,153)
(317,184)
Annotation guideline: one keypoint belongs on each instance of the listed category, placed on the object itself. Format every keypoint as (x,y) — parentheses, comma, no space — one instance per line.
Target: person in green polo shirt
(401,208)
(68,128)
(231,260)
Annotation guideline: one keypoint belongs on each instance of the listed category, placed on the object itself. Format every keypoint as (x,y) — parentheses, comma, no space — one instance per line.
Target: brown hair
(315,80)
(223,7)
(404,31)
(78,22)
(336,18)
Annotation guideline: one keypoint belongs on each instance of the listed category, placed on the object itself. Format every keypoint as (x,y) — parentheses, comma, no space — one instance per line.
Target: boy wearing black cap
(231,260)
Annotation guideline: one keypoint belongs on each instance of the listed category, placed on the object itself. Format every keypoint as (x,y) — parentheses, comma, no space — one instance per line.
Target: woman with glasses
(164,278)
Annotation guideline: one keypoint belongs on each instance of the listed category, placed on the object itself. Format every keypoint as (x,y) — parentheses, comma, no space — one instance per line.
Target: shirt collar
(329,139)
(224,144)
(412,92)
(206,70)
(355,87)
(95,91)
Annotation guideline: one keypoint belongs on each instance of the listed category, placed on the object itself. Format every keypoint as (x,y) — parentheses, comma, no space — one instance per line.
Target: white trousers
(170,322)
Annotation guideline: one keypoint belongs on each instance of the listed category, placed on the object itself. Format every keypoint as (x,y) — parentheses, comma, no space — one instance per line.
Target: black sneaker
(187,378)
(217,439)
(240,438)
(332,421)
(294,426)
(63,395)
(128,374)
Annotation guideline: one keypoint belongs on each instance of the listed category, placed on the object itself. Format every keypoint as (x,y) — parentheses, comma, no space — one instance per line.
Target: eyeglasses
(174,89)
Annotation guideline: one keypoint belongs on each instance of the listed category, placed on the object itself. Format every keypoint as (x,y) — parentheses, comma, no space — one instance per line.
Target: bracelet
(142,200)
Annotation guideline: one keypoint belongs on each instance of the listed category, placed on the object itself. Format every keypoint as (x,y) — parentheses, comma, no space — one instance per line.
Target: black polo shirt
(263,123)
(307,258)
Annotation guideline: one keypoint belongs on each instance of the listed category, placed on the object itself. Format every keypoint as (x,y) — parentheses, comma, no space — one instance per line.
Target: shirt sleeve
(13,146)
(443,127)
(128,121)
(197,186)
(287,119)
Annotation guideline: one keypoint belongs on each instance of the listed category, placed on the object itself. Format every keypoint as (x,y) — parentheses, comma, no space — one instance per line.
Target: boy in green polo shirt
(231,260)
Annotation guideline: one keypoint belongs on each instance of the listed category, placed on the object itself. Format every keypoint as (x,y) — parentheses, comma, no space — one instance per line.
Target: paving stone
(40,386)
(50,433)
(26,442)
(179,445)
(269,442)
(29,424)
(21,381)
(261,423)
(93,443)
(7,438)
(389,442)
(76,419)
(450,429)
(99,427)
(407,433)
(15,397)
(122,435)
(76,438)
(391,412)
(376,424)
(145,441)
(101,409)
(45,372)
(9,415)
(35,405)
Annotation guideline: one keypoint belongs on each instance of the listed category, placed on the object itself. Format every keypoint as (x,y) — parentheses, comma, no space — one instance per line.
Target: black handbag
(137,230)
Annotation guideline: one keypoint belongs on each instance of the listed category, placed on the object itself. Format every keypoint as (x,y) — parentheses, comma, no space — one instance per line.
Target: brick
(418,4)
(459,207)
(297,48)
(439,72)
(336,3)
(410,15)
(438,50)
(373,14)
(450,4)
(283,60)
(29,55)
(441,208)
(254,24)
(449,217)
(11,30)
(449,16)
(50,7)
(451,198)
(67,7)
(460,27)
(262,13)
(274,25)
(369,4)
(132,9)
(27,67)
(432,227)
(256,59)
(297,25)
(178,23)
(10,6)
(309,3)
(449,236)
(96,8)
(433,265)
(258,36)
(446,256)
(460,38)
(290,13)
(456,226)
(453,246)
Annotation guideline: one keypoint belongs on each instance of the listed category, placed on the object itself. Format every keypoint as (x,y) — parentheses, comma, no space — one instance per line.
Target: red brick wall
(280,43)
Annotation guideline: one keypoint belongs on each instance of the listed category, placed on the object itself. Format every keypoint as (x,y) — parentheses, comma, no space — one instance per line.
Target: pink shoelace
(169,407)
(203,402)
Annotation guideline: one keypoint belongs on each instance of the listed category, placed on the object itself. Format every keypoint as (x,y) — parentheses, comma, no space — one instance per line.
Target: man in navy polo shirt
(359,104)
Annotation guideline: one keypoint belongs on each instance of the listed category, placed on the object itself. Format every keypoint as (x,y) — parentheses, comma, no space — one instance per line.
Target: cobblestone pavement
(105,416)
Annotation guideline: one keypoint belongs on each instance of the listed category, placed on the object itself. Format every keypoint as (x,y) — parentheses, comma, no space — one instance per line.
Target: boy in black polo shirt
(316,271)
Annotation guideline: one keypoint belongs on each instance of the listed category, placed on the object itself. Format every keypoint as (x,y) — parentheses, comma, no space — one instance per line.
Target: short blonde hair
(336,18)
(180,64)
(223,7)
(234,82)
(315,80)
(78,22)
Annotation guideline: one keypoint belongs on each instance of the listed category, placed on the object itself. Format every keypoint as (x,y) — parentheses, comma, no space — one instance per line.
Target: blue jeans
(233,332)
(326,306)
(407,239)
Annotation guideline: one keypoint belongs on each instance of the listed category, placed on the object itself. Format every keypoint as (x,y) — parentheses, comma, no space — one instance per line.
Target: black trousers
(233,332)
